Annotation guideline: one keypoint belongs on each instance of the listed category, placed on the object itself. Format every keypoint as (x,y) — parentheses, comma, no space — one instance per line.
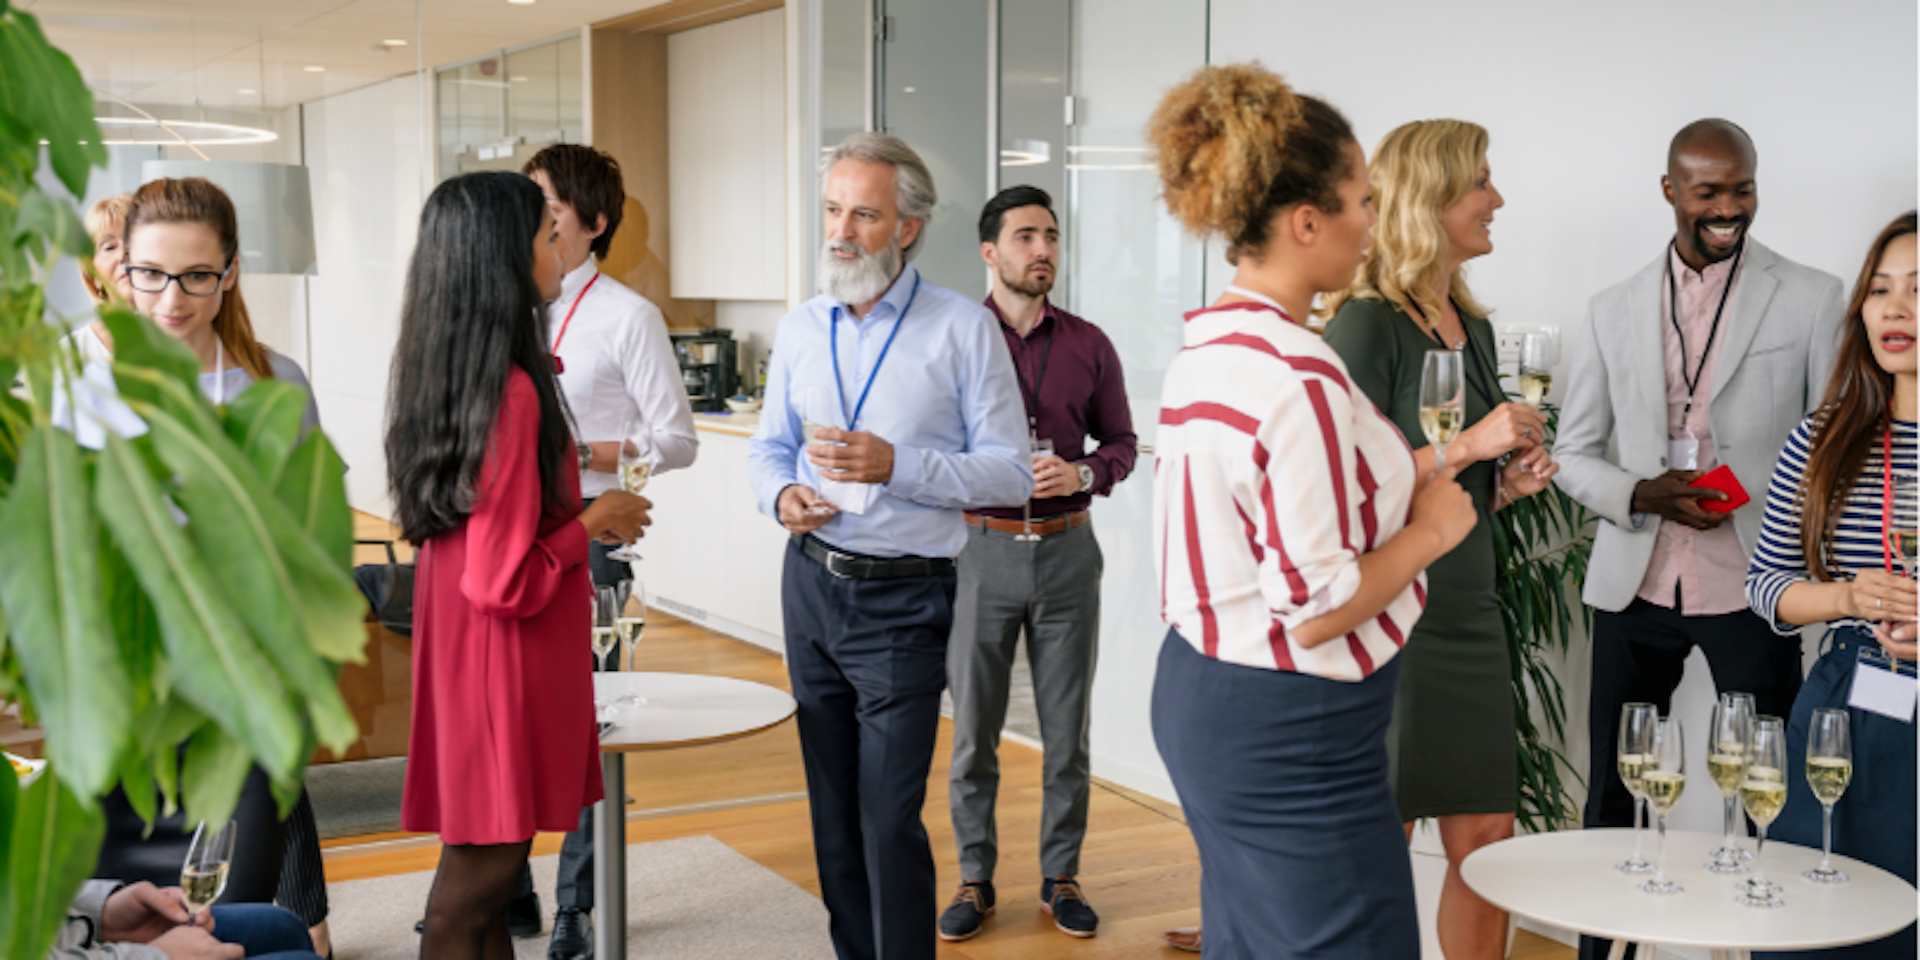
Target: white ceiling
(183,51)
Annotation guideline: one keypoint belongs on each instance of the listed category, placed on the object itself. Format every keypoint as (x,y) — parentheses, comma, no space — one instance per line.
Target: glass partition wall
(1054,93)
(496,111)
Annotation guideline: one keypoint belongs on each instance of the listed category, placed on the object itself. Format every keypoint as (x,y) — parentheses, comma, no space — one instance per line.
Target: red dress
(503,740)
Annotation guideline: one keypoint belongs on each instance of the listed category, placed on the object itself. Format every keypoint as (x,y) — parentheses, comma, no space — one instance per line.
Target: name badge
(1683,453)
(1884,686)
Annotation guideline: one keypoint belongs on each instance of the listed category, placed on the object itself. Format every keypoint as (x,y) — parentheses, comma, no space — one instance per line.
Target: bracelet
(585,453)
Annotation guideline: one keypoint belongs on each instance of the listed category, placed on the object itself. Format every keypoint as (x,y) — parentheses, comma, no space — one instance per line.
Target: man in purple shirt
(1034,568)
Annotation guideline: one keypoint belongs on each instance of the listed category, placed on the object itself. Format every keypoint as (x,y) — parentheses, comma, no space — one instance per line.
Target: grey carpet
(356,798)
(688,899)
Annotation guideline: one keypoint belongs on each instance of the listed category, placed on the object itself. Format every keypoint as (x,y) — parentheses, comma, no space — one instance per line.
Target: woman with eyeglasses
(181,266)
(182,262)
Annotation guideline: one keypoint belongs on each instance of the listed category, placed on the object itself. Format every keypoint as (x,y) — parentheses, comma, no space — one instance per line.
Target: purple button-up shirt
(1083,395)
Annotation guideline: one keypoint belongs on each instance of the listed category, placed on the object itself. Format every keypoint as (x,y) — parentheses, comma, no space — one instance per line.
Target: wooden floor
(1139,867)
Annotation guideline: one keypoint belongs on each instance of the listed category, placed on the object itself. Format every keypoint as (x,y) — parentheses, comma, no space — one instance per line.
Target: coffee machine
(709,368)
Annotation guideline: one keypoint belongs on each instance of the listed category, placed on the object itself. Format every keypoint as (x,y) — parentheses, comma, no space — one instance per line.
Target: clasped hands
(1510,428)
(144,913)
(1888,601)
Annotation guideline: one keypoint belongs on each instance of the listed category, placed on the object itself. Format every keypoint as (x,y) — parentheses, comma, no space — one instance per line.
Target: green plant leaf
(211,779)
(52,221)
(51,587)
(267,565)
(138,344)
(314,487)
(223,672)
(265,424)
(136,633)
(56,841)
(41,89)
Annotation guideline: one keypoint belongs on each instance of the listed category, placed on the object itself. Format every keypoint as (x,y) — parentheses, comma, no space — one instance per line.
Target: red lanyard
(559,367)
(1886,495)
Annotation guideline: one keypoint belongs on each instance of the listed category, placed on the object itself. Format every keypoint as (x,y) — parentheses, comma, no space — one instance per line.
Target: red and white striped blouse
(1272,475)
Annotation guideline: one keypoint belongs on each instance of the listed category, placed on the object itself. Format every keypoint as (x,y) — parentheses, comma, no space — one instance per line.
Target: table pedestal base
(610,860)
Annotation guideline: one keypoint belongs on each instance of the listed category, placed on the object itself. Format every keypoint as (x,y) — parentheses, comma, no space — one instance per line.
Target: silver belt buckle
(833,564)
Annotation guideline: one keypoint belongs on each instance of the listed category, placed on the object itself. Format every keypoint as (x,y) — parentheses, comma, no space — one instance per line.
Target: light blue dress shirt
(945,397)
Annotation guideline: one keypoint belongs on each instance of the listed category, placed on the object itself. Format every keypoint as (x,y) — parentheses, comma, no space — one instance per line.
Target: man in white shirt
(622,383)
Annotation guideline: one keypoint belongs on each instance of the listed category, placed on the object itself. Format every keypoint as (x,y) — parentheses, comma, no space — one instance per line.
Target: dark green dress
(1451,743)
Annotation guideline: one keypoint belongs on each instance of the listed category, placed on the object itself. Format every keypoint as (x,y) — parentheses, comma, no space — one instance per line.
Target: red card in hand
(1722,479)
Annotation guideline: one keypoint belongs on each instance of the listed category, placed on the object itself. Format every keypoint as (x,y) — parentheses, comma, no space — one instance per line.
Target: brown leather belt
(1043,528)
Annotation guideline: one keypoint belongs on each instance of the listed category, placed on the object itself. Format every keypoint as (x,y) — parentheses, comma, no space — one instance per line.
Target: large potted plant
(176,599)
(1542,544)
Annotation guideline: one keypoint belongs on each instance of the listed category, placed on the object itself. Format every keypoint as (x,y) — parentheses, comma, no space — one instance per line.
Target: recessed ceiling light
(316,69)
(247,91)
(518,79)
(394,43)
(520,1)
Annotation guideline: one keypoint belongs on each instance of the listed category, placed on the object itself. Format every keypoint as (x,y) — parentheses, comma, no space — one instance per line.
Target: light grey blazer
(1777,344)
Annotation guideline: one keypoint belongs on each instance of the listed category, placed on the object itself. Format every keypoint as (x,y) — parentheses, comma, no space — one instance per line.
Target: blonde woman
(104,275)
(1451,743)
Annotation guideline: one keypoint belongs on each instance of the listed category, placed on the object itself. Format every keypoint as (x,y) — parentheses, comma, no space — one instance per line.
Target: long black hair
(471,312)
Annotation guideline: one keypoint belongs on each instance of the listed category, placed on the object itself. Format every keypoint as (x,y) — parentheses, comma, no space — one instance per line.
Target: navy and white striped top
(1778,562)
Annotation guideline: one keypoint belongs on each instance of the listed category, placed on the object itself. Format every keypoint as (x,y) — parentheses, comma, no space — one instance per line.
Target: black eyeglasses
(198,283)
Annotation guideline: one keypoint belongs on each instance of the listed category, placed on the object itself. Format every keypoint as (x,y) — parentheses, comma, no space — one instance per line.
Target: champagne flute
(1829,768)
(630,619)
(203,877)
(606,610)
(1663,781)
(1441,405)
(1904,537)
(1727,760)
(1637,722)
(1536,366)
(1763,793)
(636,469)
(1042,448)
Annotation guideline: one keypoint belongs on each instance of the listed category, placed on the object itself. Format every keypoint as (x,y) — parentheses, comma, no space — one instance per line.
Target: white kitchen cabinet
(726,143)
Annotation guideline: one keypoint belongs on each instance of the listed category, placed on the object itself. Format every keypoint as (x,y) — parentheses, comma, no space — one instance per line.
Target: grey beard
(859,280)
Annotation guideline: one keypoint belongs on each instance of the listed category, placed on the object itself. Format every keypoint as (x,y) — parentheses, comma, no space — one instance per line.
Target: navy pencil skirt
(1283,778)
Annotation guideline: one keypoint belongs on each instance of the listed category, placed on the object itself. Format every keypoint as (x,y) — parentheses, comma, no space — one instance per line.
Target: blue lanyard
(833,339)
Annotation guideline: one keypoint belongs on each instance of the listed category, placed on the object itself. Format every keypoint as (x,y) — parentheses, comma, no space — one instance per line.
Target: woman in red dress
(481,467)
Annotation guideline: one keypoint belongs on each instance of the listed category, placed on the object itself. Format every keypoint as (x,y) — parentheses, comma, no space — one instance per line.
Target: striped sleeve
(1778,561)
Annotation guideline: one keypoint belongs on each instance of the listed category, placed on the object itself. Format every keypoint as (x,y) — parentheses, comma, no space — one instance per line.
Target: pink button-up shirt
(1707,568)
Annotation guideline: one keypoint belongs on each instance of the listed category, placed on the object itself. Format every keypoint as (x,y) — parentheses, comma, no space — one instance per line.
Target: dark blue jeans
(263,930)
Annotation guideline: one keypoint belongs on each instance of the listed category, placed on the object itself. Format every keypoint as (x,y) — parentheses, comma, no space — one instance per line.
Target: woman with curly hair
(1291,525)
(1450,747)
(1825,557)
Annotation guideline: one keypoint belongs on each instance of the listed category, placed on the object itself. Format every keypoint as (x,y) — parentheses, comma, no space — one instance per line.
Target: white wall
(364,156)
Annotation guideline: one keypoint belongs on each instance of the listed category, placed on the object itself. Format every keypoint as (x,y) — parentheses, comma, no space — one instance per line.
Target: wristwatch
(586,455)
(1086,477)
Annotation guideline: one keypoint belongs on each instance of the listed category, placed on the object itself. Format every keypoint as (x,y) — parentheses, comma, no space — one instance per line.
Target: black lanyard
(1673,317)
(1032,394)
(1492,375)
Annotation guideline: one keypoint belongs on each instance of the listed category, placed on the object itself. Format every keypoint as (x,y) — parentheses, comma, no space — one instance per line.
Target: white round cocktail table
(681,710)
(1567,880)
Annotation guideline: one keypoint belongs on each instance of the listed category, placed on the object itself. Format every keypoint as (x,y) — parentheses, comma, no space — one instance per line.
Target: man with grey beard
(891,407)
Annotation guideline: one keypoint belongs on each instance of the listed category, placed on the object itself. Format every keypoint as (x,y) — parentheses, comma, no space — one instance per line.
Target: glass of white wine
(1536,367)
(631,618)
(1442,407)
(1763,793)
(1829,769)
(1727,740)
(606,610)
(636,469)
(203,877)
(1904,536)
(1637,721)
(1663,781)
(1042,448)
(815,406)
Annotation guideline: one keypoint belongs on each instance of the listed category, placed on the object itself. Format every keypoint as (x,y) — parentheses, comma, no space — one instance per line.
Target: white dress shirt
(620,366)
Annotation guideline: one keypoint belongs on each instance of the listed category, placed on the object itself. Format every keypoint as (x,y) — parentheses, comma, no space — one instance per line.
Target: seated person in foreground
(140,921)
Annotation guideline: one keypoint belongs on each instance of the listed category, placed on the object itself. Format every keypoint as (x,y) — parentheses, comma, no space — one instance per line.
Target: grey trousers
(1050,589)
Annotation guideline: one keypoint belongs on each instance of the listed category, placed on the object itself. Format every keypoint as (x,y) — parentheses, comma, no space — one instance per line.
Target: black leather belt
(853,566)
